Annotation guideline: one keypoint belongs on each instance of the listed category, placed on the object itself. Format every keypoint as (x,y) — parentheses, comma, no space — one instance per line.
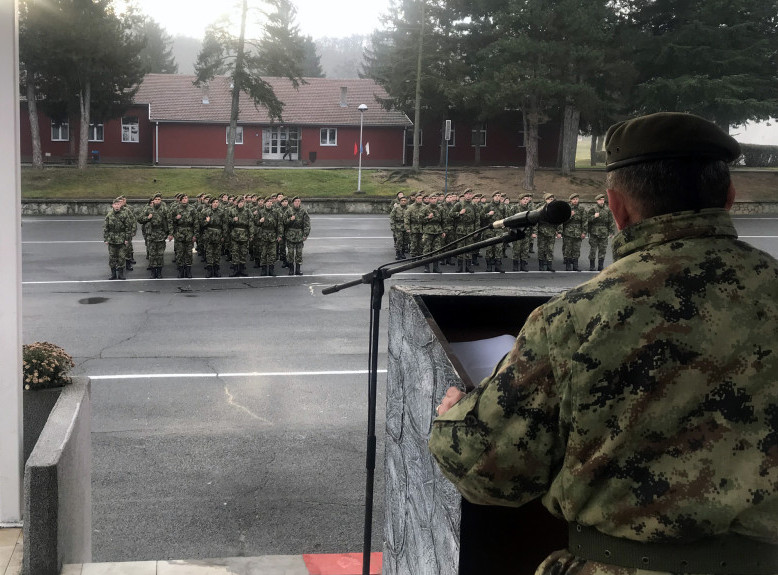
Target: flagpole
(362,109)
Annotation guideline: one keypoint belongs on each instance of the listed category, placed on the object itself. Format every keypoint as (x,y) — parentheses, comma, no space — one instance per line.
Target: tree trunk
(593,150)
(32,109)
(570,127)
(237,87)
(417,104)
(532,146)
(83,134)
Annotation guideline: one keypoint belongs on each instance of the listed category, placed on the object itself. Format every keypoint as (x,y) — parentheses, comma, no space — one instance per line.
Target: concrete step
(307,564)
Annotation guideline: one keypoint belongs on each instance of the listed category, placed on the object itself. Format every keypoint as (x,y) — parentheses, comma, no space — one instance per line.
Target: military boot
(568,265)
(113,274)
(180,271)
(460,266)
(188,271)
(128,264)
(216,271)
(235,270)
(549,266)
(575,265)
(524,266)
(291,268)
(263,271)
(516,265)
(257,264)
(159,272)
(243,271)
(436,267)
(427,268)
(489,265)
(469,267)
(591,265)
(498,266)
(153,271)
(271,270)
(120,271)
(209,271)
(298,270)
(542,265)
(600,263)
(397,255)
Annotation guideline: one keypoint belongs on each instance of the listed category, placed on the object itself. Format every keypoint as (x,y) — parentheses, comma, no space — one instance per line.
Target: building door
(280,144)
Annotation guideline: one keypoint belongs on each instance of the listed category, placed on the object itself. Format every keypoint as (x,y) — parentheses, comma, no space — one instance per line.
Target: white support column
(11,465)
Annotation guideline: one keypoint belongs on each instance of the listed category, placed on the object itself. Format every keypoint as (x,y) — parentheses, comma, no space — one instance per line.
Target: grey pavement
(230,414)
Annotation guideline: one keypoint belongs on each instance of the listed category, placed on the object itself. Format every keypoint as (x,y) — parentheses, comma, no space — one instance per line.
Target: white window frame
(96,130)
(328,136)
(483,133)
(238,135)
(57,129)
(409,138)
(130,135)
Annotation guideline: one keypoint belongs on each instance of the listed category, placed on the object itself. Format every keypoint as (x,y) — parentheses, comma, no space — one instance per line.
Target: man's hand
(453,395)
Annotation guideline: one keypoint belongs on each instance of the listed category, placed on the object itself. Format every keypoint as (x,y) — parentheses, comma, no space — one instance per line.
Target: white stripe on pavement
(246,374)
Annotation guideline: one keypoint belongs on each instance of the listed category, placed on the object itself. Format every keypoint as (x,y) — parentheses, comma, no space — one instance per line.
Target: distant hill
(185,50)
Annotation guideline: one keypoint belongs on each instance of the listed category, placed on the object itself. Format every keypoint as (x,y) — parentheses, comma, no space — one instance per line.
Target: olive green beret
(117,200)
(666,135)
(599,197)
(525,196)
(572,196)
(548,196)
(155,196)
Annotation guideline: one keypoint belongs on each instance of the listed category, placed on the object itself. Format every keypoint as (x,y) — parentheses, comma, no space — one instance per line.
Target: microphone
(556,212)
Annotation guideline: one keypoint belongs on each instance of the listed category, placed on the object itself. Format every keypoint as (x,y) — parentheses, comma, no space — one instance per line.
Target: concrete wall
(57,487)
(313,205)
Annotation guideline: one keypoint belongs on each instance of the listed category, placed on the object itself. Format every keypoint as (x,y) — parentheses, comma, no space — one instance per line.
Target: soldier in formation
(573,233)
(297,228)
(600,228)
(117,235)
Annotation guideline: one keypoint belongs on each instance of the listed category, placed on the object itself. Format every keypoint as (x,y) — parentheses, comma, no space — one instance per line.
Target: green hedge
(757,156)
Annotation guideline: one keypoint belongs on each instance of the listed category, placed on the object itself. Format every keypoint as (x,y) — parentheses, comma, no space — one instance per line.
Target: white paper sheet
(481,356)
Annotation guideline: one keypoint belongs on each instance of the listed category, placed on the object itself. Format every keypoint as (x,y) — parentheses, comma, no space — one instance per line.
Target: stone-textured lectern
(429,528)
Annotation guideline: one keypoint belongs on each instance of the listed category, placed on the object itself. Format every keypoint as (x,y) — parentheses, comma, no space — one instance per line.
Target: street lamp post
(362,109)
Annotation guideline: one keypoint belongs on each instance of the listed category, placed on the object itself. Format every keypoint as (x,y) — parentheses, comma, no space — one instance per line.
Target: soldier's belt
(730,554)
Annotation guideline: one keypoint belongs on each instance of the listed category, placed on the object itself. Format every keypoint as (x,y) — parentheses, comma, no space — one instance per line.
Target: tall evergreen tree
(279,53)
(715,58)
(157,53)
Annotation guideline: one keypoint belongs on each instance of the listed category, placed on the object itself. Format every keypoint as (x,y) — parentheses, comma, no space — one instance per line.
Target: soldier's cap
(155,196)
(178,195)
(527,195)
(573,196)
(495,194)
(599,197)
(117,200)
(666,136)
(548,196)
(468,191)
(296,198)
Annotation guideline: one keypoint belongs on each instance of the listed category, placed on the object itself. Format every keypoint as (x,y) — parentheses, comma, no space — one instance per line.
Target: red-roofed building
(174,122)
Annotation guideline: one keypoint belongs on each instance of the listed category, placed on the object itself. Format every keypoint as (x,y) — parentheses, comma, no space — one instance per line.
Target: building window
(60,131)
(479,136)
(453,140)
(95,132)
(238,135)
(130,129)
(409,137)
(329,137)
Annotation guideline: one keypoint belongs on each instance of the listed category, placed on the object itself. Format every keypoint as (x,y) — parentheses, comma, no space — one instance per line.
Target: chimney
(205,89)
(343,97)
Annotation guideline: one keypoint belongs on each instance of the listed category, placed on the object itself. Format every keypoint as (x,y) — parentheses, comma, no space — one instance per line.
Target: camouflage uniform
(397,225)
(212,224)
(116,233)
(601,225)
(465,223)
(414,220)
(547,234)
(241,230)
(573,231)
(432,232)
(521,247)
(132,223)
(183,220)
(296,231)
(268,232)
(673,438)
(493,211)
(158,230)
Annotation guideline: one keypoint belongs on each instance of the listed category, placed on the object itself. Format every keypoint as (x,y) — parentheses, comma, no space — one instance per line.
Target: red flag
(356,149)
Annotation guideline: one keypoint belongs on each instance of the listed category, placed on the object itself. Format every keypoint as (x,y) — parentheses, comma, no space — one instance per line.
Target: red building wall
(204,144)
(386,147)
(110,150)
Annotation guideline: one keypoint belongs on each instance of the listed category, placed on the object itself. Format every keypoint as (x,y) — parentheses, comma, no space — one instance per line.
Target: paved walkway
(11,551)
(321,564)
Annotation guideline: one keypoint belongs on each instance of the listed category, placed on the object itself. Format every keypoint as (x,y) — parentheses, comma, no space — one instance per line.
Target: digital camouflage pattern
(116,232)
(241,231)
(297,228)
(573,231)
(642,403)
(600,226)
(183,221)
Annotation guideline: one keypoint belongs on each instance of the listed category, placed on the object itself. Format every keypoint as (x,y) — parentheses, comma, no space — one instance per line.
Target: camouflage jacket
(240,223)
(115,228)
(299,229)
(467,222)
(216,224)
(188,221)
(397,218)
(642,402)
(432,225)
(158,226)
(577,224)
(414,217)
(601,223)
(269,228)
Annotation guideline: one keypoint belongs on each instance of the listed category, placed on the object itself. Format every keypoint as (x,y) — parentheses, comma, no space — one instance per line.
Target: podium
(429,528)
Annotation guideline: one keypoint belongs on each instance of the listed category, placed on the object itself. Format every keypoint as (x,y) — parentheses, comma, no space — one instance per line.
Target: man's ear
(730,196)
(618,206)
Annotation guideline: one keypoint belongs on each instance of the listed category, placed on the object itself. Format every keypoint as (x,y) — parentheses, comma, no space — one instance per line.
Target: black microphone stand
(376,280)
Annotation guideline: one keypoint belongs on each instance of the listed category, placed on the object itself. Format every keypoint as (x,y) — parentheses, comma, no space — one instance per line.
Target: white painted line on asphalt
(246,374)
(315,238)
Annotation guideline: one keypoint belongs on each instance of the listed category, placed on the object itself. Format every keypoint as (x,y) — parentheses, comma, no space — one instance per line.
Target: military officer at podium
(641,405)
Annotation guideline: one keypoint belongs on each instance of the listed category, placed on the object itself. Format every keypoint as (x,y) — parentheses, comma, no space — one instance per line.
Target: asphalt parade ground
(229,415)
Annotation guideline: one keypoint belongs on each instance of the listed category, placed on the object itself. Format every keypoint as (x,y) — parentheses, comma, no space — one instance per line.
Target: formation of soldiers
(239,228)
(423,223)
